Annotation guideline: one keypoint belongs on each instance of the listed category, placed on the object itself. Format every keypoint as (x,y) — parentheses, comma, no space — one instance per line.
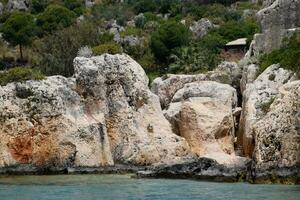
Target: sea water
(85,187)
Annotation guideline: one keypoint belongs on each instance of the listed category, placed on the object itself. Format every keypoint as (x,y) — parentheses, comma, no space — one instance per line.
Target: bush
(232,30)
(288,56)
(76,6)
(38,6)
(111,48)
(19,74)
(169,36)
(193,59)
(54,18)
(106,37)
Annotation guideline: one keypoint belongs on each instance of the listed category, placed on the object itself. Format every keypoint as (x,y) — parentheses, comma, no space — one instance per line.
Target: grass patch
(111,48)
(19,74)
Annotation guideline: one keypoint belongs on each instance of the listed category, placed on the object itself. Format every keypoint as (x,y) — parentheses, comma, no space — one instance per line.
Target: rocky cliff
(104,115)
(227,124)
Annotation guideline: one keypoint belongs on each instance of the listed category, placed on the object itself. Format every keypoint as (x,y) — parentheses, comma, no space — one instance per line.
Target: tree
(19,29)
(57,51)
(55,17)
(168,37)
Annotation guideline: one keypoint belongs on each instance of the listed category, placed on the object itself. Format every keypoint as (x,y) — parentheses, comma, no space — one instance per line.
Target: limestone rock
(20,5)
(130,41)
(277,136)
(166,87)
(275,20)
(248,76)
(139,133)
(207,125)
(256,101)
(104,115)
(44,124)
(217,91)
(201,27)
(201,112)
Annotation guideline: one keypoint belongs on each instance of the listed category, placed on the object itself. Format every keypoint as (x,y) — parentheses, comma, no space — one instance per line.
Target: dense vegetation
(288,56)
(53,34)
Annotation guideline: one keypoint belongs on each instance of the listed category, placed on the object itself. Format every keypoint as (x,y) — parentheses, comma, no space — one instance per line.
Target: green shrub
(193,59)
(75,5)
(232,30)
(38,6)
(288,56)
(54,18)
(111,48)
(106,37)
(19,74)
(167,38)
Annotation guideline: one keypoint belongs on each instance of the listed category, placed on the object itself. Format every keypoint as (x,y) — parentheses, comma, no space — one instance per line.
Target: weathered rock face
(277,136)
(104,115)
(201,112)
(201,27)
(276,22)
(137,130)
(256,101)
(44,124)
(248,76)
(21,5)
(166,87)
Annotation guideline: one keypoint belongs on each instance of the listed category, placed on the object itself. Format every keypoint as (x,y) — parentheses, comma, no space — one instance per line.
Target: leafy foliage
(288,56)
(169,36)
(55,17)
(19,28)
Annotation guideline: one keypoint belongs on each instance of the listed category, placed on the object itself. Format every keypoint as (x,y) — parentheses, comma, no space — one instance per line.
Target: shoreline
(149,172)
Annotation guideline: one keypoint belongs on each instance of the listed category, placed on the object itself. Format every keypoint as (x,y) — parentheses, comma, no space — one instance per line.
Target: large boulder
(20,5)
(218,91)
(257,98)
(277,137)
(200,28)
(165,87)
(44,124)
(201,112)
(103,116)
(139,133)
(276,21)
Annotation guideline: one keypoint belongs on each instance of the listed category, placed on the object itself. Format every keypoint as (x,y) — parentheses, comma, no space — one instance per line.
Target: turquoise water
(85,187)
